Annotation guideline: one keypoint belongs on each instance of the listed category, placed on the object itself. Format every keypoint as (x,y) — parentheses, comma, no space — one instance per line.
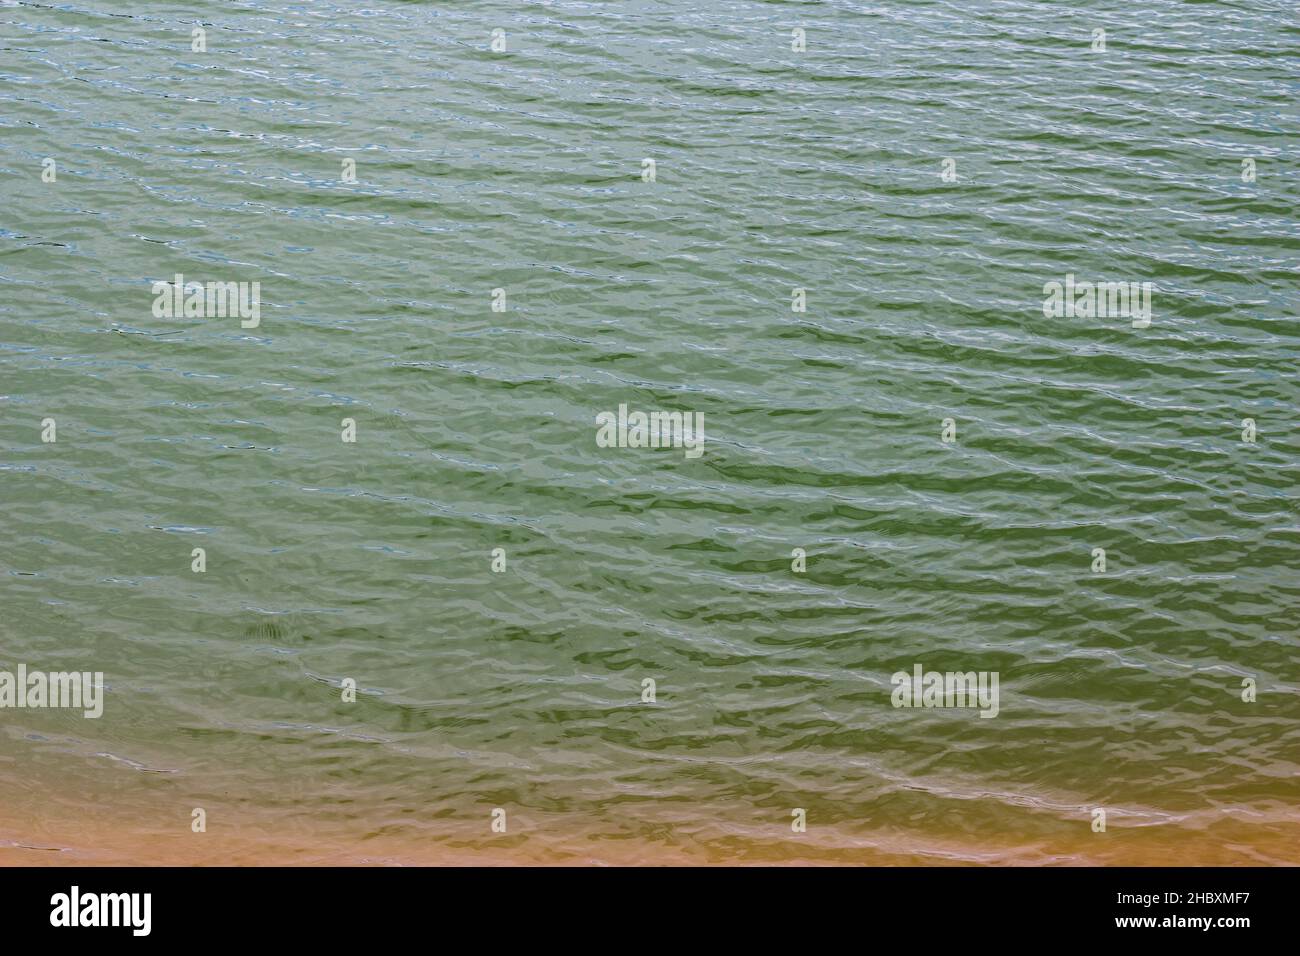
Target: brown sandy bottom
(96,838)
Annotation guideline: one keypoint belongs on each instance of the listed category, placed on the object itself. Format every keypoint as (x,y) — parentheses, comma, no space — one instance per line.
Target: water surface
(774,170)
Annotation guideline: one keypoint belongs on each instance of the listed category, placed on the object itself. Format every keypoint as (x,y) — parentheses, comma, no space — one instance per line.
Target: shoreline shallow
(99,841)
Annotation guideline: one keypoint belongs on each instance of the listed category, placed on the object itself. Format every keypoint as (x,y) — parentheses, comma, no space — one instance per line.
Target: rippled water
(775,170)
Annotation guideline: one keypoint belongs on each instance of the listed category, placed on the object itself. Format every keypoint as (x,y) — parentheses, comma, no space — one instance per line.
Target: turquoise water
(774,170)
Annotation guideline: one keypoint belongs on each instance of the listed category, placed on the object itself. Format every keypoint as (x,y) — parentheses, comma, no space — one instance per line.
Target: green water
(775,170)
